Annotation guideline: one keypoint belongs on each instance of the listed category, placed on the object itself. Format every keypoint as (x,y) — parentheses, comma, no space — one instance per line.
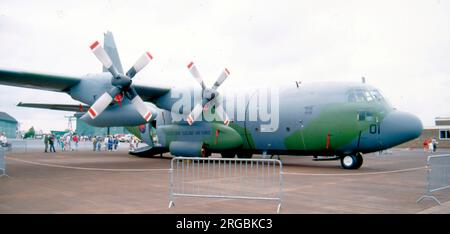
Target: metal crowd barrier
(17,146)
(438,175)
(255,179)
(2,163)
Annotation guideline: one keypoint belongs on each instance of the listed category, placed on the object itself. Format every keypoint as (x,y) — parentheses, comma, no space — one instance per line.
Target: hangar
(8,125)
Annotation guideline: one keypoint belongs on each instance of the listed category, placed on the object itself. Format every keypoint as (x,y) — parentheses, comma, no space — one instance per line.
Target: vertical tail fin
(111,50)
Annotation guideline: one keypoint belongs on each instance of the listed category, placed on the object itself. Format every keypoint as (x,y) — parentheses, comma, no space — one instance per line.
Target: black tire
(359,159)
(244,155)
(228,154)
(351,162)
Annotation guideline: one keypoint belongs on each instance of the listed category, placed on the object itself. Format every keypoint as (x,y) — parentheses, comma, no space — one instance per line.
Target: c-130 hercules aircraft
(340,121)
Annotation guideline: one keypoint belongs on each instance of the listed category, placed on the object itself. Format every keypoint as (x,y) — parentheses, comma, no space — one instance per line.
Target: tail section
(111,50)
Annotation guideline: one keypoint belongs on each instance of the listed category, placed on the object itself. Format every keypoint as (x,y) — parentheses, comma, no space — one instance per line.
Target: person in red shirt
(425,145)
(76,139)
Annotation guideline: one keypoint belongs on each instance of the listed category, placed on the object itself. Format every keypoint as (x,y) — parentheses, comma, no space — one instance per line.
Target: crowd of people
(430,144)
(107,143)
(111,143)
(67,142)
(70,142)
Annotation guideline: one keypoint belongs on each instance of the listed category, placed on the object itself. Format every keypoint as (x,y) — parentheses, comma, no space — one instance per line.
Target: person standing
(116,143)
(68,142)
(105,142)
(425,145)
(46,140)
(430,146)
(51,142)
(434,142)
(94,143)
(110,143)
(61,140)
(75,140)
(99,143)
(131,146)
(3,139)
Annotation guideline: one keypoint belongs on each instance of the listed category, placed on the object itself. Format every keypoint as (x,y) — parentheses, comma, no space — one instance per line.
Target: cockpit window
(362,95)
(376,94)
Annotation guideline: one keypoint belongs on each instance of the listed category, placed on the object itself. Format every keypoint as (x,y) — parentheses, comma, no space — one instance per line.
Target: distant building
(8,125)
(84,129)
(441,131)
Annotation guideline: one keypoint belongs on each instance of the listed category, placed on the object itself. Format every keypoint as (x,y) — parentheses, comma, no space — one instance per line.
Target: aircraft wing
(61,107)
(61,83)
(150,93)
(42,81)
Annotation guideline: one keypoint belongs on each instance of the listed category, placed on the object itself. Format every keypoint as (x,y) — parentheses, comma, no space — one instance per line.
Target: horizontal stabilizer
(61,107)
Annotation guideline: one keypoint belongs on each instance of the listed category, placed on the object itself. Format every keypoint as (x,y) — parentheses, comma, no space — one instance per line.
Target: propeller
(209,95)
(121,84)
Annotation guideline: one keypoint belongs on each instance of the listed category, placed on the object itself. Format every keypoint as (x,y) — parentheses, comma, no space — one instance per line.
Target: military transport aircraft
(340,121)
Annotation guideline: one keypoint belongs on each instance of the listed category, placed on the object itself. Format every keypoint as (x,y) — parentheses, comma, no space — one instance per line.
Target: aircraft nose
(399,127)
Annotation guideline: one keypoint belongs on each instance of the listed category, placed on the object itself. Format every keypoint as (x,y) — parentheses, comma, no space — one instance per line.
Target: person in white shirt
(3,139)
(105,143)
(132,142)
(68,143)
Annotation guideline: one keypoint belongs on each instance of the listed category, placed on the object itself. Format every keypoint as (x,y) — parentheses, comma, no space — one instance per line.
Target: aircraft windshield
(363,95)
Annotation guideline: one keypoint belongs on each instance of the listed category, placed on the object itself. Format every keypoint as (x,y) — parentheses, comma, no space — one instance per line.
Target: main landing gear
(353,161)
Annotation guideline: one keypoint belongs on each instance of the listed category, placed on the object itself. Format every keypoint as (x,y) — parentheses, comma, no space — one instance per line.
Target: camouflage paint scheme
(310,116)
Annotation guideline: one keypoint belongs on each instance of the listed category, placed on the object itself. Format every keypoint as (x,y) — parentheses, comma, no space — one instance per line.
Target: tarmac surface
(116,182)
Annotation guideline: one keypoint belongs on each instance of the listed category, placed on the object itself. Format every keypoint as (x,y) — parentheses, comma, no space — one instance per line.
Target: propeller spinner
(209,96)
(122,84)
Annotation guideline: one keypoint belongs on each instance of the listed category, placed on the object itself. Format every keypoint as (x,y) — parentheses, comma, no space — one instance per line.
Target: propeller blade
(139,104)
(193,69)
(225,73)
(195,113)
(102,103)
(101,55)
(140,64)
(222,114)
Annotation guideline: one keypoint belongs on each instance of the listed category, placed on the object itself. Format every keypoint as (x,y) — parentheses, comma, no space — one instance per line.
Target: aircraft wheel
(351,161)
(228,155)
(244,155)
(359,159)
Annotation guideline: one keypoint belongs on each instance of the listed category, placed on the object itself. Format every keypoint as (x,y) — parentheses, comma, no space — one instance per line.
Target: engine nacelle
(186,149)
(119,116)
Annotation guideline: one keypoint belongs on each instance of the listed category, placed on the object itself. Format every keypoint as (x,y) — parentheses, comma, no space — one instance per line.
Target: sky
(402,47)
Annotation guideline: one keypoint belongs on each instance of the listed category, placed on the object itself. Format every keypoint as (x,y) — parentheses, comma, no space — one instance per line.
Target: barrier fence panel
(438,175)
(2,163)
(255,179)
(17,146)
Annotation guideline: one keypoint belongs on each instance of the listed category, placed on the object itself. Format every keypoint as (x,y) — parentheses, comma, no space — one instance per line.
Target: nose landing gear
(353,161)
